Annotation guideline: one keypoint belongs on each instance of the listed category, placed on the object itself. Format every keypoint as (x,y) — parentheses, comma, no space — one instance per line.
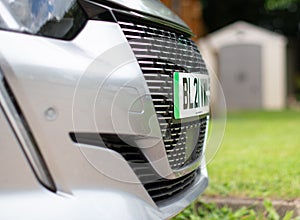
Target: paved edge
(281,206)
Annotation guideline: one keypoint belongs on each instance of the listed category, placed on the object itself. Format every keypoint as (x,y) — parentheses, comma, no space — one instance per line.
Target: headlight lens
(53,18)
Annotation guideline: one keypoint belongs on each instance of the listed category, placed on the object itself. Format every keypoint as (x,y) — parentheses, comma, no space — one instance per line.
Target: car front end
(104,109)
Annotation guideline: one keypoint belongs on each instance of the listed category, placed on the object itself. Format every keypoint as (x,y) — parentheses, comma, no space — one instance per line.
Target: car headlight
(51,18)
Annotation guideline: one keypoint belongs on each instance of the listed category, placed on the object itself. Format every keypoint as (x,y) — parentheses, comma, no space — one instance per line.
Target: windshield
(31,15)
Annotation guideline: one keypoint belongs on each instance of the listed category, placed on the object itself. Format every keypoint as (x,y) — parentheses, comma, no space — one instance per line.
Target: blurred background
(271,21)
(253,47)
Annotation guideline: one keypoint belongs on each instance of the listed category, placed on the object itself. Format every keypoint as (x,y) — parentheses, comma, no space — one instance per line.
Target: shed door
(240,74)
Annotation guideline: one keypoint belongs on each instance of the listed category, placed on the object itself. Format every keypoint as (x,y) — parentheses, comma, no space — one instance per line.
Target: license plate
(191,94)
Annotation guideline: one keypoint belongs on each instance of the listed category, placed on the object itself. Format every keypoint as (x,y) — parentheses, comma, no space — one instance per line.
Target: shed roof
(241,31)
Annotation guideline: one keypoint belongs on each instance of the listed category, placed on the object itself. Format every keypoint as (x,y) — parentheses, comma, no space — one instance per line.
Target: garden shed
(250,63)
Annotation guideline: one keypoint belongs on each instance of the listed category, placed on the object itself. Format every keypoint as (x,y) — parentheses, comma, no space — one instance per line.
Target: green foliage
(279,4)
(209,211)
(277,15)
(272,214)
(259,157)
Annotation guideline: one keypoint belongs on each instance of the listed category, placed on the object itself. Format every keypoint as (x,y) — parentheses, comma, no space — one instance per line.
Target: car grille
(160,52)
(164,189)
(159,189)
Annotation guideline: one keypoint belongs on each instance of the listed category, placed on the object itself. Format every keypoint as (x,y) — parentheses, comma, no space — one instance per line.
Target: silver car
(104,110)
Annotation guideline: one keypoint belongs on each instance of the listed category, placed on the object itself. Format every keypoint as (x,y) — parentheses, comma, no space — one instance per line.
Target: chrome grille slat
(154,89)
(140,50)
(164,94)
(132,36)
(164,118)
(162,106)
(162,112)
(156,75)
(158,81)
(146,62)
(125,23)
(130,31)
(152,68)
(146,56)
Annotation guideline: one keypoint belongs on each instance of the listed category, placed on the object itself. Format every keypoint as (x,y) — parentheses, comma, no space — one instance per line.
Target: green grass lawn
(259,156)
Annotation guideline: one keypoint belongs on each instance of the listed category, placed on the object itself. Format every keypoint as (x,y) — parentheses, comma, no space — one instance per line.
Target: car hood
(153,7)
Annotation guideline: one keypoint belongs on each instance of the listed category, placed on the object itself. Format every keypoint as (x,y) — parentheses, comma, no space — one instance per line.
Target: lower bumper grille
(159,189)
(164,189)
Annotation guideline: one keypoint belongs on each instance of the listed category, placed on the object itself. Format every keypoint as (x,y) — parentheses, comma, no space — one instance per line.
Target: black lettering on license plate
(194,93)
